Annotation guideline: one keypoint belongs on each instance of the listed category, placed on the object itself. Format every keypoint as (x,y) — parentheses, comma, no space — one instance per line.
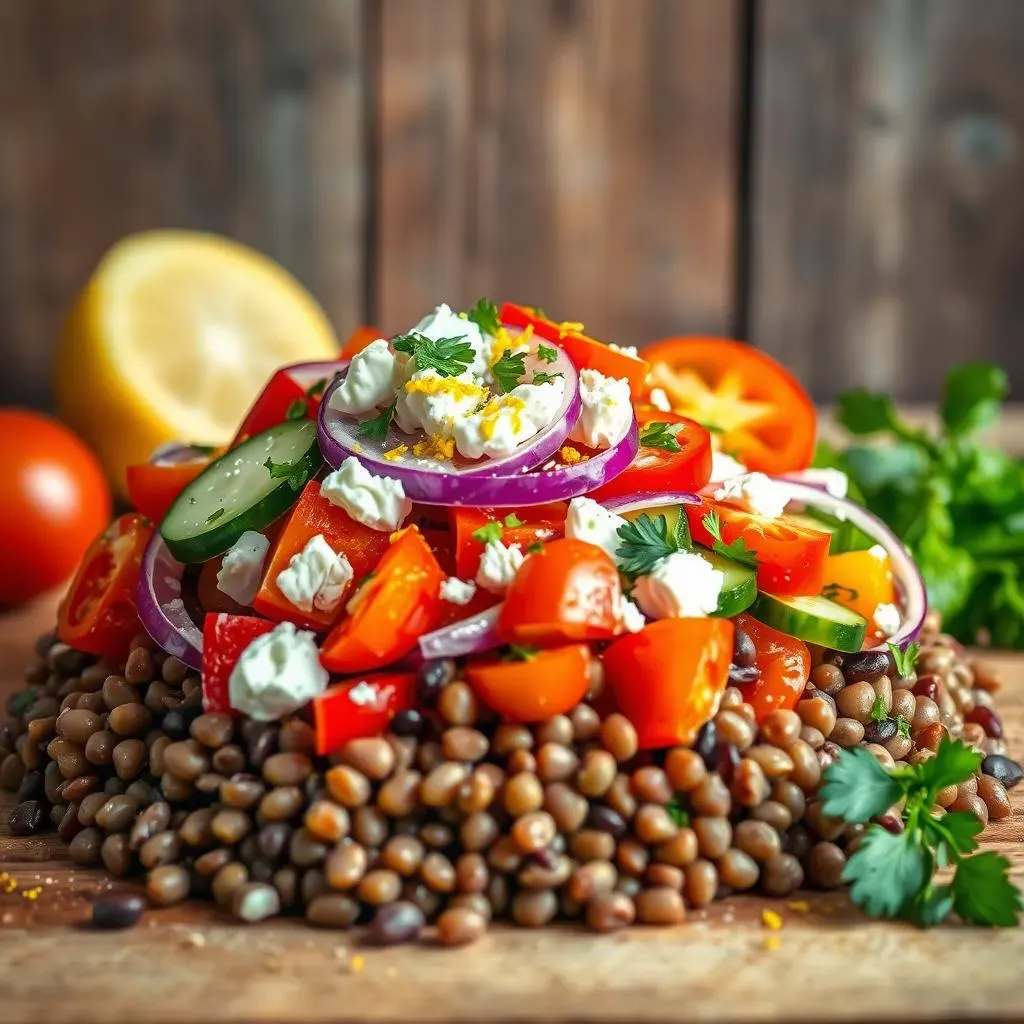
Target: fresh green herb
(737,550)
(485,315)
(520,652)
(643,543)
(879,712)
(297,409)
(536,548)
(547,353)
(902,727)
(317,389)
(540,377)
(448,356)
(217,513)
(835,590)
(512,521)
(376,428)
(905,658)
(891,875)
(678,814)
(279,470)
(508,369)
(489,534)
(660,435)
(21,702)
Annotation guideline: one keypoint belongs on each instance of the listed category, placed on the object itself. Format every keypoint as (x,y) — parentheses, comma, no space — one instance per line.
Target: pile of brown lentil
(454,818)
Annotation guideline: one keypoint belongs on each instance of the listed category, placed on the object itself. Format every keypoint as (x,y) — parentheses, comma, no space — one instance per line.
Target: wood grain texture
(887,212)
(191,963)
(244,118)
(574,154)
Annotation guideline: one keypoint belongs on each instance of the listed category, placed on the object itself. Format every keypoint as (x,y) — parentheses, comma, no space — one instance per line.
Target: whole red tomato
(54,501)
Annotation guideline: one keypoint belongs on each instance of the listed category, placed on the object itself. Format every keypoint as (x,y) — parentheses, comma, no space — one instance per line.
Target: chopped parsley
(512,521)
(489,534)
(217,513)
(485,315)
(508,369)
(547,353)
(879,712)
(905,658)
(678,814)
(540,377)
(297,409)
(660,435)
(643,543)
(536,548)
(520,652)
(833,591)
(737,550)
(448,356)
(377,427)
(317,389)
(903,727)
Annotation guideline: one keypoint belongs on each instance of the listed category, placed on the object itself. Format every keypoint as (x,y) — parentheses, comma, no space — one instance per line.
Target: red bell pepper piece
(98,612)
(535,523)
(153,486)
(293,393)
(313,514)
(361,707)
(224,638)
(359,339)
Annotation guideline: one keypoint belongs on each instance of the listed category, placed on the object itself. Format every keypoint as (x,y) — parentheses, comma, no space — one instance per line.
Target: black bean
(744,653)
(726,759)
(273,839)
(1003,769)
(27,818)
(705,745)
(743,675)
(407,723)
(604,819)
(32,786)
(865,666)
(880,732)
(117,911)
(176,725)
(397,922)
(434,676)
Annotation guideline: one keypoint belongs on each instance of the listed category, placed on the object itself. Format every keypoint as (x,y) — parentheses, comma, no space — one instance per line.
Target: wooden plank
(887,212)
(245,119)
(575,155)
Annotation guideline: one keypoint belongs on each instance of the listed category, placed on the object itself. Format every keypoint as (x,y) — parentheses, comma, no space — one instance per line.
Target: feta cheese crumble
(626,350)
(277,674)
(506,421)
(607,410)
(242,567)
(375,501)
(887,618)
(498,566)
(433,404)
(835,482)
(456,591)
(725,467)
(316,577)
(444,322)
(660,400)
(632,618)
(756,493)
(366,695)
(877,551)
(588,521)
(370,381)
(682,585)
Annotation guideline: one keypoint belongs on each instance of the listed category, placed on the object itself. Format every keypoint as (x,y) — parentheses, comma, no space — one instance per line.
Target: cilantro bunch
(891,875)
(958,504)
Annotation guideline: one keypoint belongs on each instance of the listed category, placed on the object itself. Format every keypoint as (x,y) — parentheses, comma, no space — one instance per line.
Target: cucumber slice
(845,536)
(816,620)
(740,588)
(247,488)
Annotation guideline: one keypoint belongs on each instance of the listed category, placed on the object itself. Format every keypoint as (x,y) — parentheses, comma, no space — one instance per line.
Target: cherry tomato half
(784,663)
(153,486)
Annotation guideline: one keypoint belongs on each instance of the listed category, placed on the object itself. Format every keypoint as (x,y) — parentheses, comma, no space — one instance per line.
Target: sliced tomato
(312,515)
(791,558)
(668,678)
(153,486)
(585,352)
(358,707)
(763,416)
(568,592)
(547,683)
(98,613)
(660,468)
(359,339)
(399,602)
(225,636)
(537,523)
(861,580)
(784,663)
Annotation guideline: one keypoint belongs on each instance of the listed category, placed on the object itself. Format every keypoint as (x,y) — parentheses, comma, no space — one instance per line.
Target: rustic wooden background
(839,182)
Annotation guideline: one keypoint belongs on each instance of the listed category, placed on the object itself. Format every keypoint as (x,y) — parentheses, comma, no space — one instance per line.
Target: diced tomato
(669,677)
(861,580)
(547,683)
(225,636)
(358,707)
(441,541)
(398,603)
(98,613)
(359,339)
(791,558)
(657,469)
(764,417)
(535,523)
(312,515)
(153,486)
(585,352)
(293,393)
(784,663)
(568,592)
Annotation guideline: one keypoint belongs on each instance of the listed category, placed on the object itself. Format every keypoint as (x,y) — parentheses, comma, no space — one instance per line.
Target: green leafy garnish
(903,727)
(679,815)
(448,356)
(738,550)
(520,652)
(297,409)
(905,658)
(376,428)
(892,875)
(547,354)
(660,435)
(489,534)
(643,543)
(278,470)
(217,513)
(879,712)
(535,548)
(540,377)
(512,521)
(508,369)
(317,389)
(485,315)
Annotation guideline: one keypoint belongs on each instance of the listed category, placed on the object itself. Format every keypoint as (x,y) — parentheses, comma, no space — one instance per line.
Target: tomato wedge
(361,707)
(681,462)
(533,524)
(225,637)
(668,678)
(791,558)
(359,339)
(98,613)
(547,683)
(765,418)
(398,603)
(585,352)
(784,663)
(153,486)
(568,592)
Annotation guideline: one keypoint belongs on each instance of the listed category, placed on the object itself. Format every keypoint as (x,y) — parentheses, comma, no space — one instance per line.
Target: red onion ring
(174,453)
(649,499)
(909,583)
(474,635)
(306,375)
(460,481)
(161,609)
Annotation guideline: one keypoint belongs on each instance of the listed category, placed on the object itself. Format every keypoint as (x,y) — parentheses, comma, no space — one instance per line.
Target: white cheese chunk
(682,585)
(434,404)
(725,467)
(507,421)
(756,493)
(626,350)
(498,566)
(444,322)
(660,400)
(877,551)
(375,501)
(370,381)
(316,577)
(588,521)
(242,567)
(887,618)
(633,619)
(456,591)
(607,410)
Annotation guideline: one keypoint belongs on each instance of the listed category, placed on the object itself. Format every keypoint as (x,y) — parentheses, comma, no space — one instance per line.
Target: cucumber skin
(741,595)
(773,612)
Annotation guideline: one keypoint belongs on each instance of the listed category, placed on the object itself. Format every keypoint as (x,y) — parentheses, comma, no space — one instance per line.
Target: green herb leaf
(684,542)
(738,550)
(512,521)
(547,353)
(863,412)
(903,727)
(983,892)
(217,513)
(488,534)
(520,652)
(545,378)
(887,871)
(932,906)
(905,658)
(973,396)
(485,315)
(448,356)
(279,470)
(660,435)
(954,762)
(22,702)
(297,409)
(679,815)
(508,369)
(643,543)
(879,712)
(857,788)
(317,389)
(833,591)
(535,548)
(957,829)
(376,428)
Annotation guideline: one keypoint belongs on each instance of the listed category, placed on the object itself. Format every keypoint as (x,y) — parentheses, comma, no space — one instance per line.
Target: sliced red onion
(649,499)
(474,635)
(459,481)
(822,479)
(909,583)
(174,453)
(307,375)
(161,609)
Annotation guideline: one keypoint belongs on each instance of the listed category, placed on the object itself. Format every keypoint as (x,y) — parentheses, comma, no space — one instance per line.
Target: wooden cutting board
(193,963)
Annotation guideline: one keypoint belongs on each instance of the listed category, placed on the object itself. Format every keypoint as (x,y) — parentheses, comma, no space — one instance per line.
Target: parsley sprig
(376,428)
(905,658)
(891,875)
(448,356)
(492,532)
(660,435)
(647,540)
(508,369)
(540,377)
(737,550)
(547,353)
(485,315)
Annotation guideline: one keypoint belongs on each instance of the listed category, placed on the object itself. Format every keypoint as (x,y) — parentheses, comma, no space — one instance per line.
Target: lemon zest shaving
(436,446)
(569,327)
(444,386)
(771,920)
(396,453)
(570,456)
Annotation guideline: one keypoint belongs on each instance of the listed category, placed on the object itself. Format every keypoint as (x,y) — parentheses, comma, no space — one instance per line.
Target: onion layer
(649,499)
(161,609)
(474,635)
